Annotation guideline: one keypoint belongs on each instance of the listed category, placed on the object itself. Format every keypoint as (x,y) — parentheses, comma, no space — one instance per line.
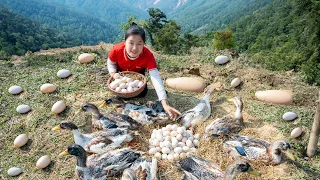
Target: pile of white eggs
(124,84)
(173,142)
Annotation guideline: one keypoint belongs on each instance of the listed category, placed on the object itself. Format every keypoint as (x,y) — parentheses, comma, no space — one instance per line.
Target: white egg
(173,133)
(235,82)
(296,132)
(63,73)
(58,107)
(184,139)
(136,81)
(196,142)
(124,90)
(140,84)
(179,137)
(15,89)
(164,156)
(165,150)
(167,138)
(174,143)
(14,171)
(221,59)
(130,89)
(20,140)
(152,151)
(190,138)
(167,144)
(189,143)
(123,85)
(153,135)
(48,88)
(170,157)
(197,136)
(118,89)
(23,109)
(158,149)
(161,144)
(174,127)
(181,144)
(185,148)
(114,85)
(116,75)
(159,137)
(129,80)
(178,150)
(169,127)
(158,155)
(155,142)
(150,141)
(166,133)
(189,133)
(124,79)
(180,130)
(289,116)
(118,81)
(193,149)
(43,162)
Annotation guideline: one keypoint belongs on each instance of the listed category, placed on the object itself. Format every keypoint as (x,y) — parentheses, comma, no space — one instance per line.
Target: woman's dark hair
(134,29)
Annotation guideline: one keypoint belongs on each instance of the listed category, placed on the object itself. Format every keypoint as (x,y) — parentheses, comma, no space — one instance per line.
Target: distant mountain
(201,16)
(167,6)
(19,34)
(88,29)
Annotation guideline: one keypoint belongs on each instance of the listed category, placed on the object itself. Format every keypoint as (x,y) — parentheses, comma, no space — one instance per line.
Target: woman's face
(134,45)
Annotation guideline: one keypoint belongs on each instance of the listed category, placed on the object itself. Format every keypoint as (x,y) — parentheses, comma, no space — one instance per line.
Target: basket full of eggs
(127,84)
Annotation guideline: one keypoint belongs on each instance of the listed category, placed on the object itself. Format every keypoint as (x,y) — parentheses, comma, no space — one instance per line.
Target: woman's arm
(159,87)
(112,67)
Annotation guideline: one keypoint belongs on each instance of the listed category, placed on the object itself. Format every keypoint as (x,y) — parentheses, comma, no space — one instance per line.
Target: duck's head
(89,107)
(66,126)
(78,151)
(239,166)
(282,145)
(239,105)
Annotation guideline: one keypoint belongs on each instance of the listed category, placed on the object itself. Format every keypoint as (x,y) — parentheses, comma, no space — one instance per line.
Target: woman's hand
(173,113)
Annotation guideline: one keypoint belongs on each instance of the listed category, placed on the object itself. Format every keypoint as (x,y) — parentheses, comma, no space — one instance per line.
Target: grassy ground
(88,84)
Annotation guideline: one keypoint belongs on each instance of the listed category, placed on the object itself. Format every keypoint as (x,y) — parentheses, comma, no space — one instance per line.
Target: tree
(223,40)
(167,37)
(155,23)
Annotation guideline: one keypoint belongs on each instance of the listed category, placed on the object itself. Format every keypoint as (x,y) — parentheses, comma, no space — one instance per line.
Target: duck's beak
(64,153)
(290,155)
(230,100)
(56,128)
(253,172)
(104,104)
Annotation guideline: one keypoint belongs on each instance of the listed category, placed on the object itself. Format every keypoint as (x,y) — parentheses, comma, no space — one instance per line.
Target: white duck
(200,112)
(229,124)
(97,142)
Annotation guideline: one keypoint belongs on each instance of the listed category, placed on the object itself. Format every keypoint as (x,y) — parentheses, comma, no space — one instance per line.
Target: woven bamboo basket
(134,76)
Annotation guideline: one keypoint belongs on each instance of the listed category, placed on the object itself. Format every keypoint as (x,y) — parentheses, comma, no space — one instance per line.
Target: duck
(196,168)
(228,124)
(99,121)
(146,114)
(100,166)
(199,113)
(97,142)
(142,168)
(255,149)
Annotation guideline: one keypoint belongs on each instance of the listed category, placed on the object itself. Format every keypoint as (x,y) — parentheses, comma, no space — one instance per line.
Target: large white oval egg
(48,88)
(15,89)
(85,58)
(43,162)
(288,116)
(23,108)
(221,59)
(63,73)
(14,171)
(58,107)
(20,140)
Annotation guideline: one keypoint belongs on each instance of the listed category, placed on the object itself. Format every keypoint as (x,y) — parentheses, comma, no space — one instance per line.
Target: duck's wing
(222,127)
(114,161)
(148,164)
(124,121)
(246,147)
(92,173)
(199,168)
(107,123)
(129,174)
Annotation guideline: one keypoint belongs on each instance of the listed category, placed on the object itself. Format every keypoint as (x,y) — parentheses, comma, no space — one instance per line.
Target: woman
(132,55)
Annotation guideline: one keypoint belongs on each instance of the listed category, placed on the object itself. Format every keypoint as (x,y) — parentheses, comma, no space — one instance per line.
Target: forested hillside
(201,16)
(80,26)
(19,34)
(283,36)
(114,12)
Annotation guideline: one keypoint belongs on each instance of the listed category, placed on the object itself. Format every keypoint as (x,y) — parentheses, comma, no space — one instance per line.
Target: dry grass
(88,84)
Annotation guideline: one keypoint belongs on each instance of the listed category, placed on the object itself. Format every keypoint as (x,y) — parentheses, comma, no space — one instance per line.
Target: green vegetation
(19,35)
(283,36)
(223,40)
(83,27)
